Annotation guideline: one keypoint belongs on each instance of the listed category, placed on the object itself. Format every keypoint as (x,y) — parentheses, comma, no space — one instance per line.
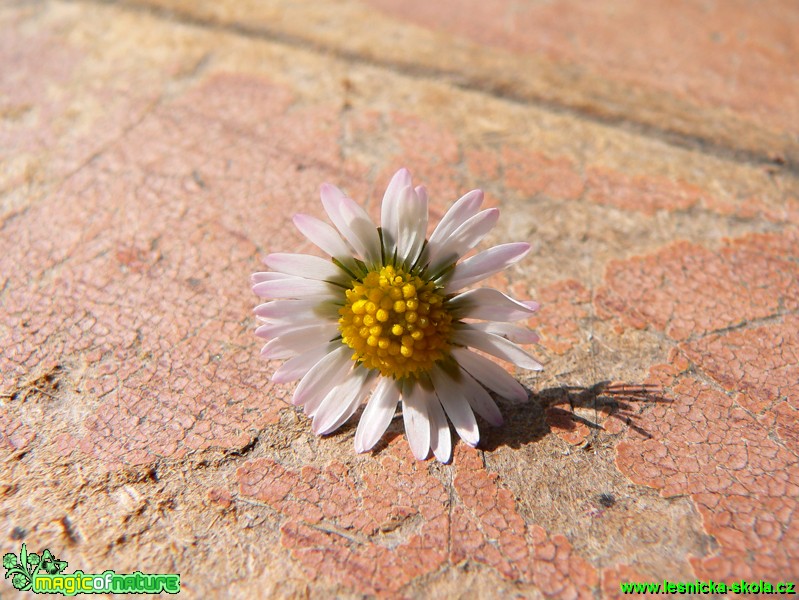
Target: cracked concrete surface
(152,151)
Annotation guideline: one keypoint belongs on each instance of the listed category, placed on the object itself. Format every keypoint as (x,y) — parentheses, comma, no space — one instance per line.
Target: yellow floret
(395,322)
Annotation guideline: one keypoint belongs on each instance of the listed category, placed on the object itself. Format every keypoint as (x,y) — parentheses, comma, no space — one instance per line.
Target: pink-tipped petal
(460,212)
(414,414)
(353,223)
(305,265)
(310,328)
(330,193)
(531,304)
(294,287)
(297,342)
(361,231)
(517,335)
(257,278)
(489,304)
(496,346)
(463,239)
(309,309)
(485,264)
(323,236)
(261,277)
(377,415)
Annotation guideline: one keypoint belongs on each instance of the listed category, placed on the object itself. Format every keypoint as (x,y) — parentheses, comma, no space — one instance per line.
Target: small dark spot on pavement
(607,500)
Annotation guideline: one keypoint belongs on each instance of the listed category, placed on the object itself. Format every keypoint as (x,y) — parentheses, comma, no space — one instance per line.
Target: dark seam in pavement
(462,81)
(744,325)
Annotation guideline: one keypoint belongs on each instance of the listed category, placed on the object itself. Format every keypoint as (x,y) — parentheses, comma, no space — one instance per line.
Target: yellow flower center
(395,322)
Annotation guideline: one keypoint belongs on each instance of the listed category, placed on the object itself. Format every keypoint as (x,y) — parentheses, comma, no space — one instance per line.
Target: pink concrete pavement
(151,153)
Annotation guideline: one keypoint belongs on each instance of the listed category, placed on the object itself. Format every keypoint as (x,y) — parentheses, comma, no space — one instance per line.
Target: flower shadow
(531,421)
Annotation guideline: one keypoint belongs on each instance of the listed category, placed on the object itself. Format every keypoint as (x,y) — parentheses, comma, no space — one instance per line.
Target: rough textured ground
(151,152)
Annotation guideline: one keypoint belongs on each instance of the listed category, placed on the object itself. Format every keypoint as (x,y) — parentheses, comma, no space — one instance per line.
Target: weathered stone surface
(734,453)
(729,80)
(151,153)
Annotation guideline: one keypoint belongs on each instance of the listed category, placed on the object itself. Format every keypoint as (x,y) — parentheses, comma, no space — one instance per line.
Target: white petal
(389,215)
(496,346)
(298,341)
(294,287)
(485,264)
(341,402)
(421,191)
(412,219)
(305,265)
(490,304)
(463,239)
(490,374)
(517,335)
(440,438)
(353,223)
(377,415)
(479,399)
(455,401)
(323,236)
(309,328)
(364,230)
(297,367)
(323,376)
(460,212)
(267,276)
(297,310)
(414,414)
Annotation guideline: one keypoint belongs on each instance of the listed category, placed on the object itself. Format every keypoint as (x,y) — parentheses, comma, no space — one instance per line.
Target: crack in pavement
(497,89)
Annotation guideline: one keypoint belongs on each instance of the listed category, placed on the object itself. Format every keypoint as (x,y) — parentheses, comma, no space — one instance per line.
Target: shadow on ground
(530,421)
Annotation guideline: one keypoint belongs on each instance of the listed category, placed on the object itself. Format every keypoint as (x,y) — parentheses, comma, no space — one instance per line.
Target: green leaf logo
(22,569)
(9,560)
(51,565)
(17,569)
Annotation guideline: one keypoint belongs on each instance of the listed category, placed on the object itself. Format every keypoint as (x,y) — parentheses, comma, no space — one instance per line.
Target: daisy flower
(385,316)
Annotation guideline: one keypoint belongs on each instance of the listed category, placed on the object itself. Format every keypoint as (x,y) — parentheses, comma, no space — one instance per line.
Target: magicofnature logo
(45,575)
